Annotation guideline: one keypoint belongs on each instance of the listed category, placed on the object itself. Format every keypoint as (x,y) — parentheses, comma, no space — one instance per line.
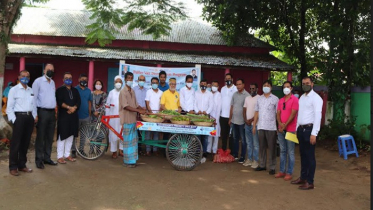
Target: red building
(44,35)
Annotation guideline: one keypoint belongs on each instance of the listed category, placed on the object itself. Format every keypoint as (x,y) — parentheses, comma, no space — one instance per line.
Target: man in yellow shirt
(170,99)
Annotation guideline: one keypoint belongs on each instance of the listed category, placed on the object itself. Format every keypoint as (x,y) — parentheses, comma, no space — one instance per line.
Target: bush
(336,128)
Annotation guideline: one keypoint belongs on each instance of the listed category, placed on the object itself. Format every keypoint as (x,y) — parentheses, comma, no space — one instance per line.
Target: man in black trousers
(45,100)
(21,111)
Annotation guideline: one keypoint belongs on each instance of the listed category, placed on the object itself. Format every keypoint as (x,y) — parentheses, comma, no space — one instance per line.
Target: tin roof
(72,23)
(262,61)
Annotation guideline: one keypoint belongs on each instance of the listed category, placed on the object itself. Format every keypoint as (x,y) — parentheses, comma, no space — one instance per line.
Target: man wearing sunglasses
(287,111)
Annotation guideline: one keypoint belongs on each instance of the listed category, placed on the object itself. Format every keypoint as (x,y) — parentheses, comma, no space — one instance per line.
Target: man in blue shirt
(84,111)
(45,100)
(163,86)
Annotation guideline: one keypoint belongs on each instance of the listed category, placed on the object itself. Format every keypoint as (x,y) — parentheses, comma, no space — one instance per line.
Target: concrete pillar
(290,76)
(226,71)
(22,63)
(91,74)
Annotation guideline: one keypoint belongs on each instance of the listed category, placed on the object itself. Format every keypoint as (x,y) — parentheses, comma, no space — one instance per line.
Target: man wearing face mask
(265,118)
(68,101)
(252,140)
(84,111)
(226,97)
(209,87)
(21,111)
(287,110)
(203,105)
(296,93)
(163,86)
(308,126)
(187,95)
(237,121)
(153,101)
(112,108)
(213,141)
(128,109)
(45,100)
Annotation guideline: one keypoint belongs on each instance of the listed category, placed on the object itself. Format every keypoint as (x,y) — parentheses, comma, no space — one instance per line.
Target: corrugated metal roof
(267,61)
(51,22)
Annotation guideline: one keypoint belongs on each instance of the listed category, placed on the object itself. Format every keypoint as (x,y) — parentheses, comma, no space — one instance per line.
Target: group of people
(256,121)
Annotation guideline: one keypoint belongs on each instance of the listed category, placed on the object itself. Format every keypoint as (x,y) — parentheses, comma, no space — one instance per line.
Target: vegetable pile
(170,112)
(202,120)
(154,116)
(180,118)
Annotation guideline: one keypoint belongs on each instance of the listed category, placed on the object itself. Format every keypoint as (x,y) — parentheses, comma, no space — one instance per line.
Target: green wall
(360,107)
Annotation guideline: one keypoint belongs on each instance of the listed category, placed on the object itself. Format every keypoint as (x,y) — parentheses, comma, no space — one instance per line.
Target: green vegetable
(154,116)
(180,118)
(197,116)
(170,112)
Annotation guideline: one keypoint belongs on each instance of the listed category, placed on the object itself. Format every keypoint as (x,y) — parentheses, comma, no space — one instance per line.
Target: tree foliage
(300,29)
(152,17)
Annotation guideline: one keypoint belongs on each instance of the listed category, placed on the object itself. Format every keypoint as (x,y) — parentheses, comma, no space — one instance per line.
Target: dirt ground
(105,184)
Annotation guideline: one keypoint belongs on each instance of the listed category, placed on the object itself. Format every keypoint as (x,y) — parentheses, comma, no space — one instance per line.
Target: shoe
(120,153)
(272,172)
(260,169)
(306,186)
(288,177)
(280,175)
(203,160)
(25,169)
(39,165)
(14,172)
(298,181)
(73,154)
(255,164)
(235,158)
(71,159)
(241,160)
(50,163)
(61,161)
(247,162)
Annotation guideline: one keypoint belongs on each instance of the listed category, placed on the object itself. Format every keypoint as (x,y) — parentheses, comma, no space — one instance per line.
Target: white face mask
(286,91)
(189,85)
(118,85)
(214,89)
(98,87)
(266,89)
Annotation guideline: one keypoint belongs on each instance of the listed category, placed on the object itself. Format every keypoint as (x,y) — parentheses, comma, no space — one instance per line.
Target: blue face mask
(209,89)
(154,86)
(129,83)
(141,83)
(68,81)
(296,95)
(24,80)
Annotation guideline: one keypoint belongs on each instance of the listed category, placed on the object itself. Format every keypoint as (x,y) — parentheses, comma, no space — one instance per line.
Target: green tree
(150,16)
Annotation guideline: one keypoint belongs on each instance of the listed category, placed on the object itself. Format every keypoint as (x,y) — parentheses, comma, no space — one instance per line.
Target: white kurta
(203,102)
(215,113)
(113,99)
(187,98)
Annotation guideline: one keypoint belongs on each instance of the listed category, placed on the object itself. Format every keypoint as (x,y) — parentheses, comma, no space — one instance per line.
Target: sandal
(61,161)
(71,159)
(120,153)
(114,155)
(131,165)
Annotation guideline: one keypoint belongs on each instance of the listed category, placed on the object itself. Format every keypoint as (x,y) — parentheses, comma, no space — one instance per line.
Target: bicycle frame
(106,119)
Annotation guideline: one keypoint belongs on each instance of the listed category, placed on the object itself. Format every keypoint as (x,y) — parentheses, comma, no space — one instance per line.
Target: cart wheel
(184,151)
(92,141)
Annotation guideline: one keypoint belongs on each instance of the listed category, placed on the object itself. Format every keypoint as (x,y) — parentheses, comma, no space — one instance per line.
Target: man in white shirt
(226,97)
(308,126)
(187,95)
(21,111)
(213,141)
(153,101)
(203,104)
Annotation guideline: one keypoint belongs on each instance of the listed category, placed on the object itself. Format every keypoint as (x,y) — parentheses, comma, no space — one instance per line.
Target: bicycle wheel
(92,141)
(184,151)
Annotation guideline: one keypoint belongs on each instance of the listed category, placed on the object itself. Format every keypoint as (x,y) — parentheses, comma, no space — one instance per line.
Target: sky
(194,10)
